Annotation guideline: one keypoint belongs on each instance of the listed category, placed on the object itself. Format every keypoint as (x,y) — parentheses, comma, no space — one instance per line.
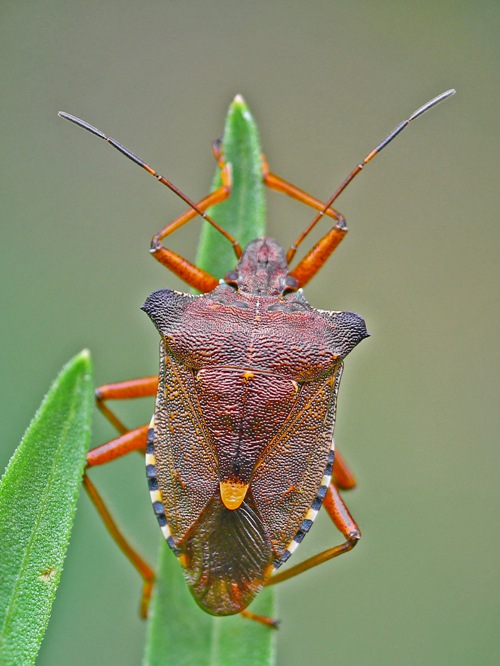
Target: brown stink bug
(239,453)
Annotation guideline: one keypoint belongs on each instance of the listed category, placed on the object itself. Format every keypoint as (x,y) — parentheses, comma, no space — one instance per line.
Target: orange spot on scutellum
(233,493)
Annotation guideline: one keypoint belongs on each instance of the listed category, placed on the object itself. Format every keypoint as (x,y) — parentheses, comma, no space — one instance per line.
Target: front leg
(188,272)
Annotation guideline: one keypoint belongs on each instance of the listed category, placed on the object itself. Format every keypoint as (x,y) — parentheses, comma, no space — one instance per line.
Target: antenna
(160,178)
(392,135)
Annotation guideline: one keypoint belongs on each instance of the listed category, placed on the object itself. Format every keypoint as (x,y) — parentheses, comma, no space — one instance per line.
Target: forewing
(290,471)
(186,464)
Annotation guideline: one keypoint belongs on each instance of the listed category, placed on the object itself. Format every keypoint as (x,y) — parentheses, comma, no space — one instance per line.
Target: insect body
(240,454)
(244,416)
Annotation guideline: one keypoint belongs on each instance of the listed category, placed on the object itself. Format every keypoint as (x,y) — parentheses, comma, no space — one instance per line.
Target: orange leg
(278,184)
(144,387)
(191,274)
(344,522)
(318,255)
(200,280)
(134,440)
(309,265)
(343,478)
(266,621)
(136,560)
(203,281)
(129,440)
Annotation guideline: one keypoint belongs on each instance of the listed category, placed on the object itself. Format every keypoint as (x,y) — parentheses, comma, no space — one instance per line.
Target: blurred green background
(418,408)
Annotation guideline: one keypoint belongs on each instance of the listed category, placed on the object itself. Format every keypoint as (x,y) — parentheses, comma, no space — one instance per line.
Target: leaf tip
(83,360)
(239,105)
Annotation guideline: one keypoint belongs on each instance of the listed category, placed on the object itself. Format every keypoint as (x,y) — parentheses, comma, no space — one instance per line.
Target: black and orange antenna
(125,151)
(392,135)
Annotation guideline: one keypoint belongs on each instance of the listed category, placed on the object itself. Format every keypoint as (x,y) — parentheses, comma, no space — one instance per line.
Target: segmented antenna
(392,135)
(160,178)
(236,246)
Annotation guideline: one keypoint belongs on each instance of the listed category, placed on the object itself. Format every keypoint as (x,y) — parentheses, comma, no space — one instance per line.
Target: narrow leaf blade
(179,632)
(243,214)
(38,495)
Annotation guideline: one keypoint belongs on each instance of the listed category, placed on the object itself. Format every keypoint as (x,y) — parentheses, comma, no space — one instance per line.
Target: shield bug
(240,454)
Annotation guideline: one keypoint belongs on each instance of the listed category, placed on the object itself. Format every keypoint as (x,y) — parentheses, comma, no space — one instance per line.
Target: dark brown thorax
(262,270)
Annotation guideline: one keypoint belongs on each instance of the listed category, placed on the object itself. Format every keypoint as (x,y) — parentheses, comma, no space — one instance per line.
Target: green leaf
(179,632)
(243,214)
(38,495)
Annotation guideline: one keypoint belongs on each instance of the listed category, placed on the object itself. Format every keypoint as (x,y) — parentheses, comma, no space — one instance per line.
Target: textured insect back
(240,638)
(311,515)
(345,330)
(243,435)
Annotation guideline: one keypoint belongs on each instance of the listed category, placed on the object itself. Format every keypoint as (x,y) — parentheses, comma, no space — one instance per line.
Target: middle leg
(126,442)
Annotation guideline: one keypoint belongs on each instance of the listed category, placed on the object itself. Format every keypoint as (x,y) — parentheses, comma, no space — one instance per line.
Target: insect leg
(309,265)
(191,274)
(226,178)
(267,621)
(128,440)
(145,571)
(132,388)
(344,522)
(342,475)
(315,258)
(133,440)
(278,184)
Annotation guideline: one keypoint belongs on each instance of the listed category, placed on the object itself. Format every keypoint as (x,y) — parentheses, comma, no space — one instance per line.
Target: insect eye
(289,284)
(231,278)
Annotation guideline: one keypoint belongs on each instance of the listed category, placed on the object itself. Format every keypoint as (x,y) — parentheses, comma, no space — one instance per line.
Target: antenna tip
(67,116)
(431,103)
